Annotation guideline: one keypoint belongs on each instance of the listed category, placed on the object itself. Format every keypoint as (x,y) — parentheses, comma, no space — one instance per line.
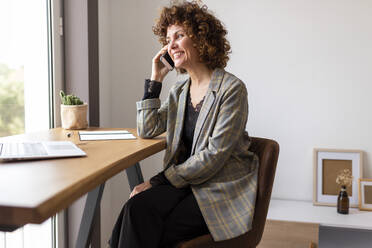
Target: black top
(152,90)
(191,116)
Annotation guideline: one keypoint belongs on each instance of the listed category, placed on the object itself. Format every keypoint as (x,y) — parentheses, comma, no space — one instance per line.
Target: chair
(267,151)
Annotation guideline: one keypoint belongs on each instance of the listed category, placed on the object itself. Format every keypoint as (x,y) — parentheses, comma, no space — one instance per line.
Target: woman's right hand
(159,71)
(139,188)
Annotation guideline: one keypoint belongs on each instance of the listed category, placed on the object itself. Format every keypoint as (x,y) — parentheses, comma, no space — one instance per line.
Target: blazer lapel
(180,118)
(208,103)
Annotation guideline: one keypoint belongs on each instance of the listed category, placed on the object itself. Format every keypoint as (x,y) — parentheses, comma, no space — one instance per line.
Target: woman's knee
(136,204)
(140,204)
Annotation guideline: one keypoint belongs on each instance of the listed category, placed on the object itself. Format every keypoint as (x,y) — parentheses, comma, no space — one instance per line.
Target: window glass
(23,67)
(24,87)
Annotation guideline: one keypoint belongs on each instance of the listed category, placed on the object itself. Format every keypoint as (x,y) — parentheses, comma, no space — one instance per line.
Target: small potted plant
(73,112)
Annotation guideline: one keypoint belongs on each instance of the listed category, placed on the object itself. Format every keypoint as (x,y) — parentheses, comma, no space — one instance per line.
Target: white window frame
(57,77)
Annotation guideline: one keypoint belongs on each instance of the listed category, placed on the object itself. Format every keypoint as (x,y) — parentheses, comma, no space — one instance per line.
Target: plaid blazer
(221,172)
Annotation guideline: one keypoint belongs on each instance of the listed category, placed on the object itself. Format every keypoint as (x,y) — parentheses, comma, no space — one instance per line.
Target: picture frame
(327,164)
(365,194)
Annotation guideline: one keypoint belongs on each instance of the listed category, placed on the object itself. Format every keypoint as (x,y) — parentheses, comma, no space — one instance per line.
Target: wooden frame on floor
(327,164)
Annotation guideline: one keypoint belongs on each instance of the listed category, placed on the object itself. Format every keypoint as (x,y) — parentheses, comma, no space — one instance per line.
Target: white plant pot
(74,116)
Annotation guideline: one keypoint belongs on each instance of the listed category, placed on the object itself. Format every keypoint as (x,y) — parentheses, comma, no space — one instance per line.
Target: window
(24,85)
(26,66)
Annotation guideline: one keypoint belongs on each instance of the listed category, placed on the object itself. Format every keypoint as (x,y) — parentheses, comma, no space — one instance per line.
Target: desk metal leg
(134,175)
(90,211)
(92,206)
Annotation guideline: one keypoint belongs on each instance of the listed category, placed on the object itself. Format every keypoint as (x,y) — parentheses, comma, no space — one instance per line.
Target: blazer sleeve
(230,124)
(151,117)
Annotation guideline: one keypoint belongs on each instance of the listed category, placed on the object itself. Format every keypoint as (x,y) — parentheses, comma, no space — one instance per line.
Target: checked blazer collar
(210,96)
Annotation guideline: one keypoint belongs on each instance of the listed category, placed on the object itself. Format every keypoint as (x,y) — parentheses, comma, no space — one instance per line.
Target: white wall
(307,66)
(127,45)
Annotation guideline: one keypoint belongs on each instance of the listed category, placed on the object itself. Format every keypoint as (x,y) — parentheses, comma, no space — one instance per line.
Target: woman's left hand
(139,188)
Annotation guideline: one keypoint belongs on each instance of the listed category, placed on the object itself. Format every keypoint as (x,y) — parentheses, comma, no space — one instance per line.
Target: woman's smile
(177,54)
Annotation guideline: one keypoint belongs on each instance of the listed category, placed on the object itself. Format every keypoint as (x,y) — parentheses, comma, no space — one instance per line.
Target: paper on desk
(106,135)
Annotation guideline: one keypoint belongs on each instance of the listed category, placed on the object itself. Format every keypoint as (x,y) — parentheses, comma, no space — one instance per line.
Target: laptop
(10,151)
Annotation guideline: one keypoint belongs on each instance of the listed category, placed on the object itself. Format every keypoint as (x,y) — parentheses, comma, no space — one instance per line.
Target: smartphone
(167,61)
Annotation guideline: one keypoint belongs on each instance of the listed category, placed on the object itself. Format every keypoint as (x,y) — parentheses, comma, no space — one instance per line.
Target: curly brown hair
(206,31)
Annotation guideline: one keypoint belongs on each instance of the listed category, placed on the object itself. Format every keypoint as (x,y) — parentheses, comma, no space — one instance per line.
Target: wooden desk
(33,191)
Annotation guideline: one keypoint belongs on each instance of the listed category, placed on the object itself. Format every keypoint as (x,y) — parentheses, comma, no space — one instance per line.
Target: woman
(209,179)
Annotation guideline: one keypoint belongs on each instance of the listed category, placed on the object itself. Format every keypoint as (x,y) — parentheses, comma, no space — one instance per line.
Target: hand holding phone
(167,61)
(162,63)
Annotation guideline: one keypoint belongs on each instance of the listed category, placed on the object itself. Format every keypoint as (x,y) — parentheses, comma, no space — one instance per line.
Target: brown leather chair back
(267,151)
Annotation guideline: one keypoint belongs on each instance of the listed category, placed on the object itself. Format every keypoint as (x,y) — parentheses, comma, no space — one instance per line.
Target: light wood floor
(279,234)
